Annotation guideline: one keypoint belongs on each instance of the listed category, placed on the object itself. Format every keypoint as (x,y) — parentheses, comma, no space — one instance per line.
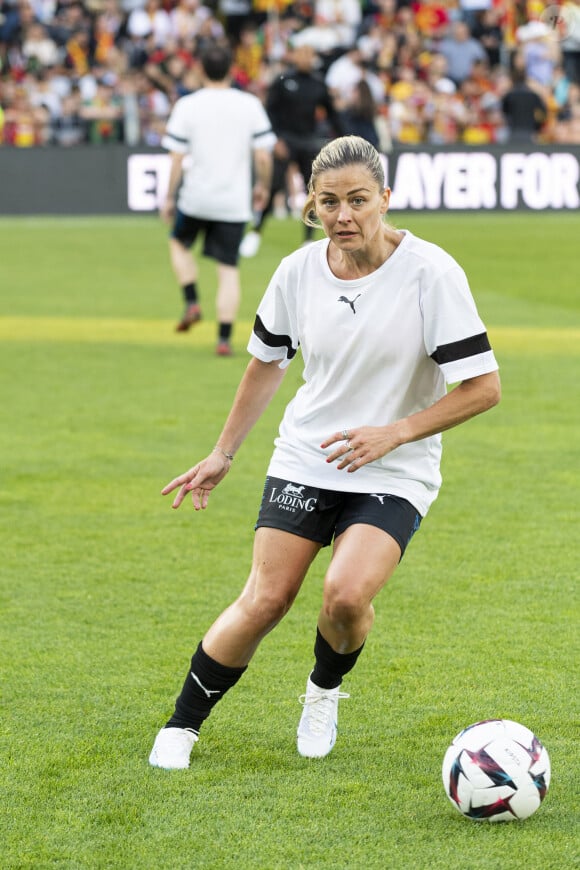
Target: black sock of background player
(330,666)
(205,685)
(190,293)
(225,331)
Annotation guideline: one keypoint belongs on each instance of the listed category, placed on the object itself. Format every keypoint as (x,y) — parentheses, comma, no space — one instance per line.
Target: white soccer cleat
(318,723)
(250,244)
(172,748)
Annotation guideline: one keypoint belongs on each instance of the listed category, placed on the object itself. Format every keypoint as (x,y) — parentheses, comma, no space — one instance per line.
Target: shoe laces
(181,736)
(321,706)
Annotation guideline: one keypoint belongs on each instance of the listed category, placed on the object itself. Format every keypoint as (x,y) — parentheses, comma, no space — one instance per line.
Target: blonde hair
(344,151)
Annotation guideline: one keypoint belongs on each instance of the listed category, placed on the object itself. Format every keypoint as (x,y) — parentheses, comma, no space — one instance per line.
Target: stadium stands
(109,71)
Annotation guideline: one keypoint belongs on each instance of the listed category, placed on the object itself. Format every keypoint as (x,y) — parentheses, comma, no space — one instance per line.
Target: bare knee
(266,607)
(346,607)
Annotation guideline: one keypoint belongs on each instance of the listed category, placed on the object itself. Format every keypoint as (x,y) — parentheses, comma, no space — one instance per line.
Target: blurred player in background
(293,102)
(217,138)
(384,321)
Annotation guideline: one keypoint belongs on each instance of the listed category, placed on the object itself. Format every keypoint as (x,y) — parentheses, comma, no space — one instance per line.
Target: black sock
(190,293)
(205,684)
(330,666)
(225,332)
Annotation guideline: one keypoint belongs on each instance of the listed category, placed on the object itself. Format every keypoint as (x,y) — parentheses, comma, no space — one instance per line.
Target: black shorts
(323,514)
(221,238)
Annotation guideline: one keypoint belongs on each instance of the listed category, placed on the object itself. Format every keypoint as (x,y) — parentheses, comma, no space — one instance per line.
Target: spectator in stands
(341,19)
(25,125)
(42,93)
(38,48)
(70,17)
(382,52)
(15,21)
(487,30)
(461,51)
(107,30)
(540,52)
(152,19)
(567,128)
(485,124)
(560,87)
(137,49)
(347,71)
(249,58)
(187,18)
(524,110)
(569,32)
(222,130)
(436,75)
(69,128)
(167,68)
(78,52)
(235,14)
(331,28)
(470,9)
(411,108)
(448,117)
(154,108)
(44,10)
(293,104)
(103,113)
(359,117)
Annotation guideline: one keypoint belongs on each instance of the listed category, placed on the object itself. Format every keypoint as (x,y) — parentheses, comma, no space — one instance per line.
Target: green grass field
(105,591)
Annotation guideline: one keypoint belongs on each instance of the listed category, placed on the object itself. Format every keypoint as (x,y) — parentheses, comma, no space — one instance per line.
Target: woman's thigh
(363,560)
(280,563)
(279,566)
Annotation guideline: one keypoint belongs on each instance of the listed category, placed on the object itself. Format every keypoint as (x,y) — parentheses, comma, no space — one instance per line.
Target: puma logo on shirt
(349,301)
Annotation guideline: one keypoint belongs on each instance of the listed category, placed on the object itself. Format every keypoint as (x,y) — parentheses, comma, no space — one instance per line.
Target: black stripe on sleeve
(262,133)
(175,138)
(456,350)
(273,340)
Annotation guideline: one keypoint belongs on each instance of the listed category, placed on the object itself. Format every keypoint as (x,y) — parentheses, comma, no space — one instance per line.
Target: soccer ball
(496,770)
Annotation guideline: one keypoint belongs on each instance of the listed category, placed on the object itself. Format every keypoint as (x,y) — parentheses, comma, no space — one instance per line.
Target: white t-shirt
(218,128)
(375,350)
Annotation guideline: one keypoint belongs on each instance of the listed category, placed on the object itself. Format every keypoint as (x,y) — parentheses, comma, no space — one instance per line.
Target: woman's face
(350,205)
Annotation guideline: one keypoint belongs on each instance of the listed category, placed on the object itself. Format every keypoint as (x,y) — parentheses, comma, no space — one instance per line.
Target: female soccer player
(384,321)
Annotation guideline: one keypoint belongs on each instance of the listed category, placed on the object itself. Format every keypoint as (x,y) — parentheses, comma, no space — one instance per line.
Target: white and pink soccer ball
(496,770)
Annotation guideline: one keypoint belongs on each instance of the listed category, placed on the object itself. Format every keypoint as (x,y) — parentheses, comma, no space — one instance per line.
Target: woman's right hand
(199,480)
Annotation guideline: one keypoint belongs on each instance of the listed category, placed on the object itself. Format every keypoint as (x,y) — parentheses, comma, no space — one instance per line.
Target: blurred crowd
(439,72)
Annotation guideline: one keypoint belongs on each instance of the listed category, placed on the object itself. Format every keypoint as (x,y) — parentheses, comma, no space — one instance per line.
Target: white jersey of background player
(219,129)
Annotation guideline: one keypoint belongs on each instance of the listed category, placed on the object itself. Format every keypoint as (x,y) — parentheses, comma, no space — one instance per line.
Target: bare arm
(175,173)
(368,443)
(263,162)
(255,392)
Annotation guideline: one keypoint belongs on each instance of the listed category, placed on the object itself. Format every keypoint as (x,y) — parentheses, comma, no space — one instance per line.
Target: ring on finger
(345,434)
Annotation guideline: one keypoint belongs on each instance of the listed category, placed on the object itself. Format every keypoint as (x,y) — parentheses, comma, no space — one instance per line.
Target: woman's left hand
(358,447)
